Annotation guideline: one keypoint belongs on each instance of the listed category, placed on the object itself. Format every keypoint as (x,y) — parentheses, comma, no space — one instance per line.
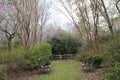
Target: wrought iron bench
(88,64)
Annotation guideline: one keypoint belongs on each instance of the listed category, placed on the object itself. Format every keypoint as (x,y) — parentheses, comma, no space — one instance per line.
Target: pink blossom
(2,8)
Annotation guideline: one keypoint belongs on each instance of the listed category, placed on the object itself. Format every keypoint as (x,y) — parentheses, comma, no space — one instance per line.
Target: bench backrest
(90,61)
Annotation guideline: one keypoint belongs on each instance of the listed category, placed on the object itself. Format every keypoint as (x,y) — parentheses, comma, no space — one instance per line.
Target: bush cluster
(64,44)
(41,51)
(97,60)
(110,50)
(26,59)
(3,76)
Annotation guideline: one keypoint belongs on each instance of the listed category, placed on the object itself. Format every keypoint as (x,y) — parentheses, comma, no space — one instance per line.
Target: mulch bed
(95,75)
(25,75)
(22,75)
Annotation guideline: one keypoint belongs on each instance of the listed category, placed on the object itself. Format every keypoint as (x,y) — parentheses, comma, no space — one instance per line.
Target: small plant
(98,60)
(28,65)
(2,76)
(115,72)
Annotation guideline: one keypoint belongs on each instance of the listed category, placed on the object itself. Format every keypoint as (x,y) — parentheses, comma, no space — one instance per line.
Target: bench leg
(83,67)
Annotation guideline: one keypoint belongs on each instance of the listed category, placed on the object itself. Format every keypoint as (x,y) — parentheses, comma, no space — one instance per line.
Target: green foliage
(40,51)
(2,48)
(28,65)
(110,50)
(114,72)
(83,53)
(26,59)
(29,62)
(2,76)
(11,58)
(98,60)
(64,44)
(0,70)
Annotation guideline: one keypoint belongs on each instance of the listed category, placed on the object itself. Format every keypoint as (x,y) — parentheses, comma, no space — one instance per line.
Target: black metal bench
(88,64)
(44,67)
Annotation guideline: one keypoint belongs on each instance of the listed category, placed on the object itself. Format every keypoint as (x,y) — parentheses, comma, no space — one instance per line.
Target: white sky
(56,17)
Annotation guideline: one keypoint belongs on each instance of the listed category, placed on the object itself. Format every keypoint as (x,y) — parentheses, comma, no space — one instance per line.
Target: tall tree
(43,17)
(70,12)
(104,12)
(117,2)
(8,23)
(27,15)
(84,13)
(95,15)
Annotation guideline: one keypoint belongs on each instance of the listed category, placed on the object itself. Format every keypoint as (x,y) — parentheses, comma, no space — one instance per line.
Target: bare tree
(83,9)
(87,18)
(95,15)
(117,2)
(71,14)
(104,13)
(27,15)
(43,16)
(8,25)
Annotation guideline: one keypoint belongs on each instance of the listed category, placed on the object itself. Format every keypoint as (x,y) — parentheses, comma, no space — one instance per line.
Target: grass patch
(64,70)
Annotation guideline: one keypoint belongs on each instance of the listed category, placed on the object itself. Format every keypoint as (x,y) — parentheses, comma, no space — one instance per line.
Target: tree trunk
(41,33)
(96,46)
(9,44)
(106,16)
(117,6)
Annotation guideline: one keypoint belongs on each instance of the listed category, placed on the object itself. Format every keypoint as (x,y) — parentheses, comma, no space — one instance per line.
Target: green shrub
(64,44)
(26,59)
(28,65)
(2,75)
(41,51)
(12,58)
(4,78)
(114,72)
(29,62)
(110,51)
(83,53)
(98,60)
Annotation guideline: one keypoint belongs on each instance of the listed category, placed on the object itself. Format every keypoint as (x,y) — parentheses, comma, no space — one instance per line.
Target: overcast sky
(56,17)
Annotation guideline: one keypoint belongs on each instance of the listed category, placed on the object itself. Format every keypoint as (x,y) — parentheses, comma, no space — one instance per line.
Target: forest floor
(61,70)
